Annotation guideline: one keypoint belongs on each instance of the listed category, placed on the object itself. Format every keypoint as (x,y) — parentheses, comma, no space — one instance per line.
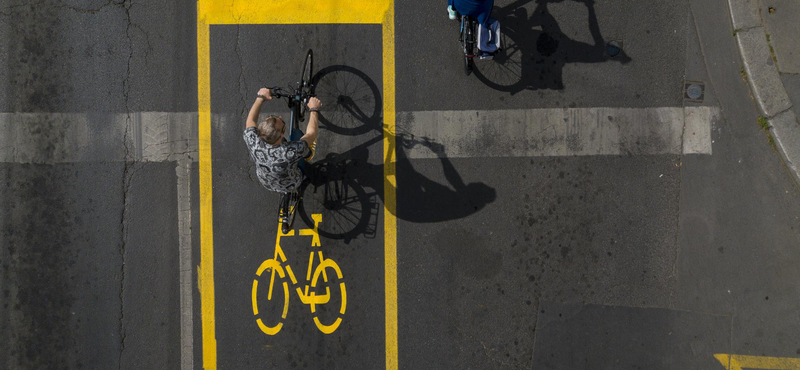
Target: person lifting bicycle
(280,164)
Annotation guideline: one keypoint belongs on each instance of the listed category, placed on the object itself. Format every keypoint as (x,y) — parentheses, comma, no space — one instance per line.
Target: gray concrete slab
(785,130)
(783,26)
(792,84)
(574,336)
(745,13)
(762,72)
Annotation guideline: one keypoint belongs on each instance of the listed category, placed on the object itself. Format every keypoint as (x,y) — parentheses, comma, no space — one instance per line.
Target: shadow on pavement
(535,50)
(348,190)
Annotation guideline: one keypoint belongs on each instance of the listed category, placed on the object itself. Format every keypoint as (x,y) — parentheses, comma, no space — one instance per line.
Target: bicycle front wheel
(308,71)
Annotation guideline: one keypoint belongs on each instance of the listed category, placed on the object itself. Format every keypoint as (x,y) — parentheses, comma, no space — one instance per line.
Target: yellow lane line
(293,12)
(389,190)
(205,274)
(739,362)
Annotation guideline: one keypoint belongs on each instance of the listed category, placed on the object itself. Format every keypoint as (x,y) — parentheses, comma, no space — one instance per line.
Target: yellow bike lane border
(227,12)
(740,362)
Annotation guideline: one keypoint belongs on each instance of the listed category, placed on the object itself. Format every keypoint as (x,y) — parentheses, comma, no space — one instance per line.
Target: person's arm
(313,122)
(252,117)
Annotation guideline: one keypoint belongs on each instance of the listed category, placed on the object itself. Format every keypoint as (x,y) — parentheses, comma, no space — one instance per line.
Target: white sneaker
(451,12)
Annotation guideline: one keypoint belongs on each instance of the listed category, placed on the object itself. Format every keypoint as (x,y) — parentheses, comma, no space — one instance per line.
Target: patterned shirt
(276,165)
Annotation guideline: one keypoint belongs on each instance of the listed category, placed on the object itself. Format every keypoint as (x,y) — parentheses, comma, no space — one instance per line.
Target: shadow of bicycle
(535,50)
(347,187)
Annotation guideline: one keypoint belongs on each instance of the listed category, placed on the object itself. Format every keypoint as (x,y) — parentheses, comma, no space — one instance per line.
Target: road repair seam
(765,83)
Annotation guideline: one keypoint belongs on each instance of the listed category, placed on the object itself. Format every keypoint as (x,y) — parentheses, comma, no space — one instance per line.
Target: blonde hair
(268,130)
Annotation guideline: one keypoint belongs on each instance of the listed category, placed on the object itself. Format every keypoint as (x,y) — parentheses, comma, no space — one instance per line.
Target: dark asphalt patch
(518,231)
(574,336)
(85,284)
(99,57)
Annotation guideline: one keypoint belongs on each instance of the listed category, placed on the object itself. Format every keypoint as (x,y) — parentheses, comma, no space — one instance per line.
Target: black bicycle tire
(469,45)
(511,87)
(374,90)
(282,212)
(363,200)
(293,210)
(308,65)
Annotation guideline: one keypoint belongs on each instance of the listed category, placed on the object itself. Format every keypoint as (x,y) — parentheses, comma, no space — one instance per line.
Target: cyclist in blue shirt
(480,9)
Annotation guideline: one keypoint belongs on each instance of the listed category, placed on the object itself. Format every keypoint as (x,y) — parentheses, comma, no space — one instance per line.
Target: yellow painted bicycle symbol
(280,267)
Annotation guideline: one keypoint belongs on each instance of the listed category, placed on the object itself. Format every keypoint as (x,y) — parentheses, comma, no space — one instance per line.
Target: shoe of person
(485,56)
(451,13)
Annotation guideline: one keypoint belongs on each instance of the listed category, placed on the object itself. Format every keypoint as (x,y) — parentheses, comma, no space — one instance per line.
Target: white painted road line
(163,136)
(49,138)
(560,131)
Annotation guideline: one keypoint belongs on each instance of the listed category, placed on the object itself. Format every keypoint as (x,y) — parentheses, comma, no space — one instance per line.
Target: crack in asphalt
(126,181)
(241,68)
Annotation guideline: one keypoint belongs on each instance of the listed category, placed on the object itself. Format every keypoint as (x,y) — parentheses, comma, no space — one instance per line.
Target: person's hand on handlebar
(266,93)
(314,103)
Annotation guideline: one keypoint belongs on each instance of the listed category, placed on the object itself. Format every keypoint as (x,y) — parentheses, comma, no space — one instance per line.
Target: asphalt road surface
(558,208)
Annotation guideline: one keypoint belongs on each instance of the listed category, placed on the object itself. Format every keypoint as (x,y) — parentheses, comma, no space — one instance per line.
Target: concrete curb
(765,81)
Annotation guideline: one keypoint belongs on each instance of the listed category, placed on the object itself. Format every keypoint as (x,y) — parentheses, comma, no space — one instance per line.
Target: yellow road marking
(292,12)
(205,278)
(739,362)
(389,191)
(295,12)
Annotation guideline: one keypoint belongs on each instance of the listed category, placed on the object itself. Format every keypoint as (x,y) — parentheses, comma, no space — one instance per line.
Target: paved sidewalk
(766,33)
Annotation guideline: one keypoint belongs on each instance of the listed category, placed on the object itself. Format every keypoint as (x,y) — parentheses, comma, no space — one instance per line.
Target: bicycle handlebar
(277,92)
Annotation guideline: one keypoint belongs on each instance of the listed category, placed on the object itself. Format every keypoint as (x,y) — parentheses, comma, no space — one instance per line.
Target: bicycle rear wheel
(283,212)
(468,36)
(288,209)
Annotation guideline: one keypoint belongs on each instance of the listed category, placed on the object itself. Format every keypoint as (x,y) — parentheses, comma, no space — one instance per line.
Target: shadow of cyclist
(345,186)
(425,200)
(536,49)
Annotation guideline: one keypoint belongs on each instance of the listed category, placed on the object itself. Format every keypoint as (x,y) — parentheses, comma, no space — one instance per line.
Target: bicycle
(277,264)
(467,40)
(297,98)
